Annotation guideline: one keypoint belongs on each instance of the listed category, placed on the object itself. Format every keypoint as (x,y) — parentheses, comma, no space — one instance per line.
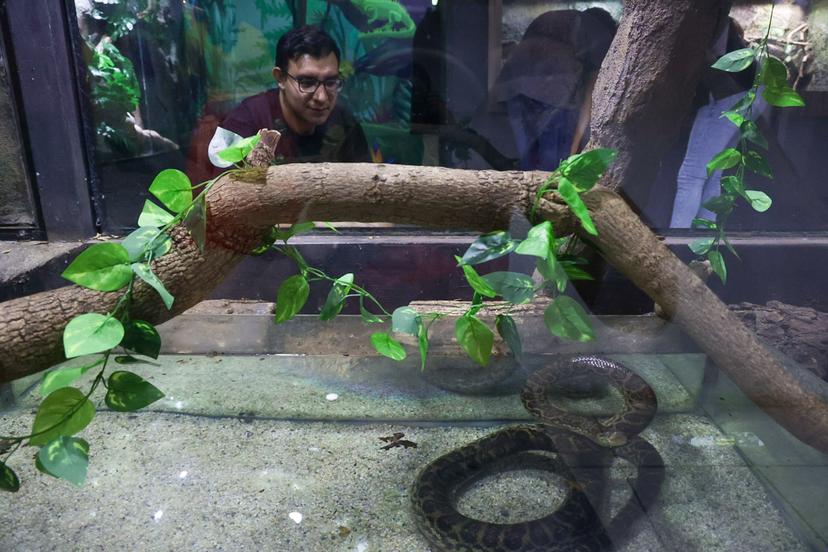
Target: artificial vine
(771,82)
(109,267)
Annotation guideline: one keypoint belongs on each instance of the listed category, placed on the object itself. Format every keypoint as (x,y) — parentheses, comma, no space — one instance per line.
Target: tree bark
(651,70)
(636,111)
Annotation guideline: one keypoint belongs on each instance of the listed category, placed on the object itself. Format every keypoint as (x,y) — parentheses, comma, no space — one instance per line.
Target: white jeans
(711,134)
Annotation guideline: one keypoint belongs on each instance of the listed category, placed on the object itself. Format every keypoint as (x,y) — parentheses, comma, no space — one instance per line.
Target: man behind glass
(303,108)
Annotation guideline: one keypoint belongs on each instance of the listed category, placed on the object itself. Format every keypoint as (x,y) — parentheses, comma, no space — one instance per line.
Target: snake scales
(583,446)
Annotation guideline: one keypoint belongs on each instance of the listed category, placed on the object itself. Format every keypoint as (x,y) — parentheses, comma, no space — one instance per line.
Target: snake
(580,445)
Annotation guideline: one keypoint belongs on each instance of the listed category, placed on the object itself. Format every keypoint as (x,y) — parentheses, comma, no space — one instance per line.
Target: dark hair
(603,16)
(308,39)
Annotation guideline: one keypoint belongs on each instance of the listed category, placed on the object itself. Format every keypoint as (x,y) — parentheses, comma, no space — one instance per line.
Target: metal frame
(45,65)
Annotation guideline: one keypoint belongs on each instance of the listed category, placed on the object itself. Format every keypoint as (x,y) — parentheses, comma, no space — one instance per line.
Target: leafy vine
(771,82)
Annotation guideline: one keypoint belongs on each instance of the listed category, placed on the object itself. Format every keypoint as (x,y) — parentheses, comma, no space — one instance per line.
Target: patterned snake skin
(584,446)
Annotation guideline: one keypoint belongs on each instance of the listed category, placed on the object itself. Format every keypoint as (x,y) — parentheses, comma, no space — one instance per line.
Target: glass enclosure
(390,386)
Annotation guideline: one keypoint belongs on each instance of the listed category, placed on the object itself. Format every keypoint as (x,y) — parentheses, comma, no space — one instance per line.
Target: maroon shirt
(339,139)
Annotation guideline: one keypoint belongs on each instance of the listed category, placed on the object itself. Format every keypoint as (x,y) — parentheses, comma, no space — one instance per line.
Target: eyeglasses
(309,85)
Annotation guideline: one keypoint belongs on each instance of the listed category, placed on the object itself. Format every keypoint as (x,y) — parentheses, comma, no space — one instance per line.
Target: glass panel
(391,400)
(475,84)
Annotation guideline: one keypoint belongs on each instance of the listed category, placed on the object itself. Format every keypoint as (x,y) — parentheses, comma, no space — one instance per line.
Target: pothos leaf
(8,479)
(127,392)
(584,170)
(566,318)
(477,283)
(488,247)
(735,61)
(196,221)
(66,458)
(569,193)
(336,297)
(538,241)
(406,320)
(291,297)
(91,333)
(102,267)
(475,338)
(64,412)
(718,264)
(507,329)
(172,187)
(388,346)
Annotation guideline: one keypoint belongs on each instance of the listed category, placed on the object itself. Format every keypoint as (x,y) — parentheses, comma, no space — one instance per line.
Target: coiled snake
(580,443)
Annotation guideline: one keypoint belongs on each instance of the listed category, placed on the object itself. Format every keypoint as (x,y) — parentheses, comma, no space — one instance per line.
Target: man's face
(305,111)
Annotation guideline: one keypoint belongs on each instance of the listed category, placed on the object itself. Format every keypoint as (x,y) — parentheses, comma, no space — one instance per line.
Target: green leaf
(735,61)
(141,337)
(267,242)
(331,227)
(782,97)
(64,412)
(128,392)
(145,273)
(291,297)
(734,117)
(102,267)
(538,241)
(760,201)
(422,342)
(129,359)
(507,329)
(302,227)
(718,264)
(91,333)
(750,132)
(584,170)
(514,287)
(702,246)
(196,221)
(474,279)
(745,102)
(367,316)
(725,159)
(405,320)
(172,187)
(732,185)
(552,270)
(570,195)
(721,204)
(63,377)
(238,151)
(153,215)
(296,228)
(573,272)
(66,458)
(567,319)
(773,73)
(140,239)
(488,247)
(8,479)
(336,297)
(727,243)
(777,92)
(388,346)
(755,162)
(703,223)
(475,338)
